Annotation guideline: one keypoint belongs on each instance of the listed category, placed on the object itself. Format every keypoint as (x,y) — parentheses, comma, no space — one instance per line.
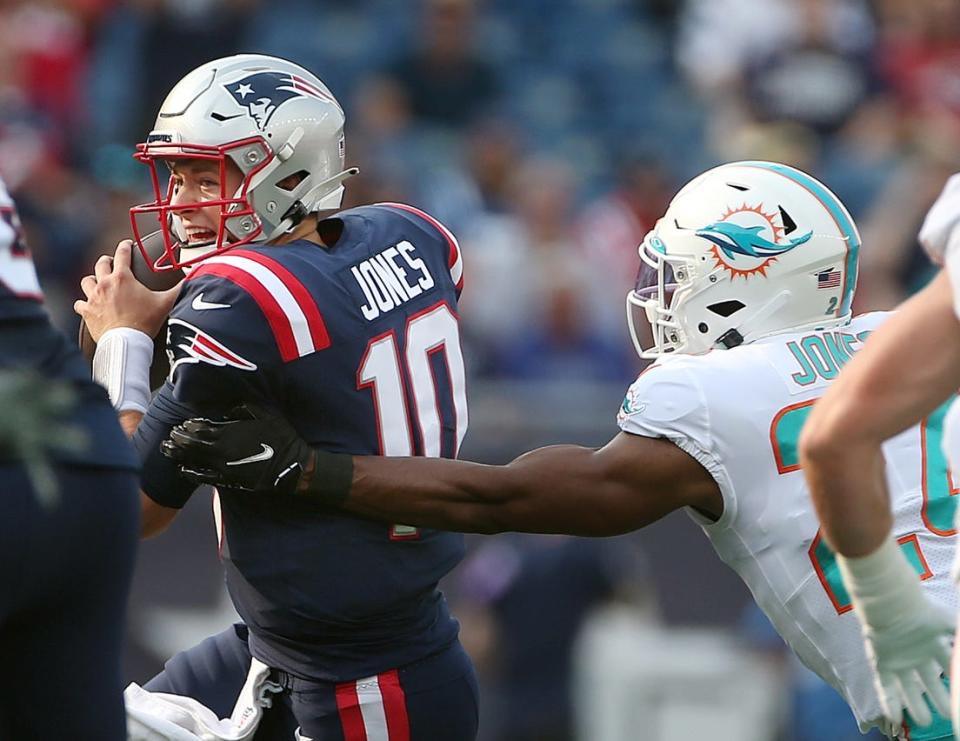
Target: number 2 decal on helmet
(745,250)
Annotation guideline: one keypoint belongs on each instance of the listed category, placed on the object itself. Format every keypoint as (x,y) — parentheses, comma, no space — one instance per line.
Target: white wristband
(121,364)
(882,584)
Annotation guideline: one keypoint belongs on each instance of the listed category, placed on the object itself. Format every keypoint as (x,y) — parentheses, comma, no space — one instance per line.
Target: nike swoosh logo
(200,305)
(265,455)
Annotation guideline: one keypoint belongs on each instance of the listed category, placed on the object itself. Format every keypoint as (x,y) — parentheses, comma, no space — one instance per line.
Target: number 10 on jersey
(401,372)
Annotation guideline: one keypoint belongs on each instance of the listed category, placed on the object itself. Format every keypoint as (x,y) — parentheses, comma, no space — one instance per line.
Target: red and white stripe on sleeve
(373,709)
(454,258)
(290,310)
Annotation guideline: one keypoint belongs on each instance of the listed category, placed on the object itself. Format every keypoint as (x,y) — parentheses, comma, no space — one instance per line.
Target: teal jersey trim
(840,215)
(938,730)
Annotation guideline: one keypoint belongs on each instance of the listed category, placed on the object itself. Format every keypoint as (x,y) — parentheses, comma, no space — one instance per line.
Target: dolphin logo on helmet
(742,277)
(734,239)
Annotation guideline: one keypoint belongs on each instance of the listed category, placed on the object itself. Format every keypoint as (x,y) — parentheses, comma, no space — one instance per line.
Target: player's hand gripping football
(115,298)
(252,450)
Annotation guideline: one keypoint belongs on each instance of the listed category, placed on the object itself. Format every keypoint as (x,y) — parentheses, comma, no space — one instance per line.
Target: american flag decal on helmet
(262,93)
(828,278)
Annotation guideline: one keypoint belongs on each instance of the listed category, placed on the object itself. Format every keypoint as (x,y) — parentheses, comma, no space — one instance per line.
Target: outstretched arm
(630,482)
(627,484)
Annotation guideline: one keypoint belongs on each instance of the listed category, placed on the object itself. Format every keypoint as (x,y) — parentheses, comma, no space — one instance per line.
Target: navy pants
(64,580)
(434,699)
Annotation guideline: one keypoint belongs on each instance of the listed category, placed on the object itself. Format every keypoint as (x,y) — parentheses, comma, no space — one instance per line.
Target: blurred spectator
(146,46)
(43,50)
(816,78)
(719,39)
(919,53)
(383,141)
(783,141)
(447,82)
(493,153)
(534,593)
(805,62)
(49,50)
(894,265)
(477,183)
(612,227)
(534,296)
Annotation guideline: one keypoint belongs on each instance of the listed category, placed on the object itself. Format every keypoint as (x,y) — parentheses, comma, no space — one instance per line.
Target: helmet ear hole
(290,182)
(789,225)
(726,308)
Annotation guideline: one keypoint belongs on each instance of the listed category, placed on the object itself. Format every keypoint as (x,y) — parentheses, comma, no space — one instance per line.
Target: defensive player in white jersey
(747,282)
(875,398)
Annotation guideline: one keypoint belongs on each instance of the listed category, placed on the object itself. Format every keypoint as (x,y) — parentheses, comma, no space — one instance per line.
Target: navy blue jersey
(20,294)
(28,341)
(358,346)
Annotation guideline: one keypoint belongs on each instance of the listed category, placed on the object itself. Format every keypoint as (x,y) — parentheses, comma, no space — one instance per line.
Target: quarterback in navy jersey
(68,521)
(347,325)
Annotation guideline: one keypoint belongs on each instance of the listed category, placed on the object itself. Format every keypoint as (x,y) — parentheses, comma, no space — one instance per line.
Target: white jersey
(18,276)
(739,413)
(951,436)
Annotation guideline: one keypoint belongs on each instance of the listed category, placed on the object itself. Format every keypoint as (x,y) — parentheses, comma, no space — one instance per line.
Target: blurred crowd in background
(548,134)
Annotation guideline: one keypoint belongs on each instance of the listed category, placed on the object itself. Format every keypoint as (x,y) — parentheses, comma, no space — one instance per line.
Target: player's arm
(154,517)
(123,316)
(907,367)
(628,483)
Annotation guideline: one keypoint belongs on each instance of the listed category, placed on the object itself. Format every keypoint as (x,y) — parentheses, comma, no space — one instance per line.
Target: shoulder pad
(431,224)
(285,302)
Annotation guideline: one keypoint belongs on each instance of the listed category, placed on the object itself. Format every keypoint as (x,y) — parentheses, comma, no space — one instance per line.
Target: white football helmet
(271,118)
(745,250)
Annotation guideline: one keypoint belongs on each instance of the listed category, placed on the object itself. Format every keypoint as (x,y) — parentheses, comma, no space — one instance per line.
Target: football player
(347,324)
(747,284)
(846,448)
(68,521)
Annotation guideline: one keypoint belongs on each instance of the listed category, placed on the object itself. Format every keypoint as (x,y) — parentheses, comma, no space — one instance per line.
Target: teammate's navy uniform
(64,571)
(357,345)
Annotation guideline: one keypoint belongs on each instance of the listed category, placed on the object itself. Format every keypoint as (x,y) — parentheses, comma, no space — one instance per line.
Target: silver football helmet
(272,119)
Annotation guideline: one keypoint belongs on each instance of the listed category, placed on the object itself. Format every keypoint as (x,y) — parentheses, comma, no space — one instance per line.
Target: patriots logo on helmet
(188,344)
(262,93)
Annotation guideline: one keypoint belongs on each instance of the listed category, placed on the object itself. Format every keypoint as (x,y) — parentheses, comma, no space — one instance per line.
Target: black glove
(252,450)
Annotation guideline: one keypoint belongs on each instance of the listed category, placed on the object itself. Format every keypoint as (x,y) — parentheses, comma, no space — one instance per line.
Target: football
(160,366)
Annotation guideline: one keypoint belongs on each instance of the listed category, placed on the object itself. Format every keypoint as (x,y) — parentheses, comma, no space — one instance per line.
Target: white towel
(159,716)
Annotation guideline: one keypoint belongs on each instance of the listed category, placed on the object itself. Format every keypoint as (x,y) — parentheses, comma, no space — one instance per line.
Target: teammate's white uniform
(739,413)
(951,440)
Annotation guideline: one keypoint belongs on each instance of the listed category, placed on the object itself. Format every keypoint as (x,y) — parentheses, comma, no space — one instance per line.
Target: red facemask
(161,214)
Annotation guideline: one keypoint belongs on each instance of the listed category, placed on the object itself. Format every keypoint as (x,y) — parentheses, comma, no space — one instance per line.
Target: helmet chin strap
(327,194)
(176,226)
(768,309)
(188,254)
